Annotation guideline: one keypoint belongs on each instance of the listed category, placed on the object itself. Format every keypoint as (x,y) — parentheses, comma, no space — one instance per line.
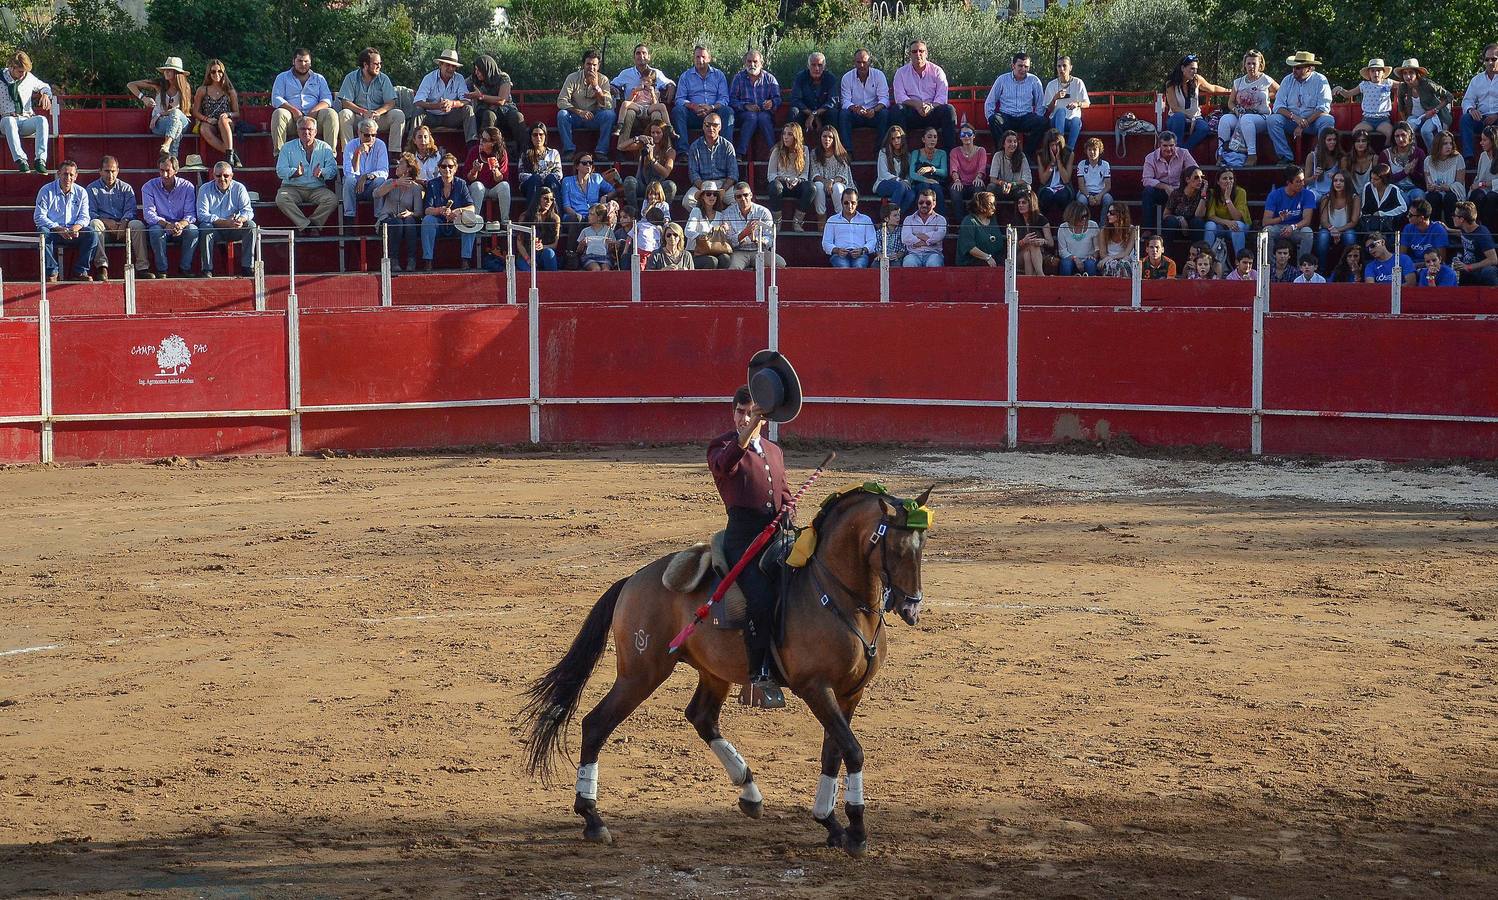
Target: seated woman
(1065,98)
(980,238)
(1053,165)
(1377,92)
(672,256)
(968,166)
(1445,177)
(487,171)
(1009,168)
(788,176)
(424,147)
(398,207)
(831,172)
(1425,105)
(1349,270)
(25,108)
(1249,107)
(928,165)
(1484,191)
(1383,206)
(654,152)
(1182,89)
(1360,159)
(1076,241)
(707,241)
(170,104)
(540,167)
(1032,232)
(1186,207)
(889,178)
(1116,238)
(542,253)
(1094,178)
(216,111)
(446,201)
(1338,214)
(595,243)
(1327,158)
(1226,213)
(1406,162)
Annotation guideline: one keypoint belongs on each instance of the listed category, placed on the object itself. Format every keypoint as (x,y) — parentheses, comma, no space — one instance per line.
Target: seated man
(1435,273)
(366,165)
(1421,234)
(61,215)
(586,101)
(920,93)
(441,96)
(225,214)
(366,93)
(1163,169)
(171,212)
(864,94)
(754,96)
(112,203)
(489,93)
(1016,102)
(25,108)
(750,228)
(645,94)
(711,158)
(299,92)
(701,91)
(1302,106)
(1480,102)
(1288,210)
(924,234)
(1379,269)
(848,238)
(814,96)
(306,166)
(1478,262)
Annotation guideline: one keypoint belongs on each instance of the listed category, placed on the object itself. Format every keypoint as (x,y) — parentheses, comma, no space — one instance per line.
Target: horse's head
(903,535)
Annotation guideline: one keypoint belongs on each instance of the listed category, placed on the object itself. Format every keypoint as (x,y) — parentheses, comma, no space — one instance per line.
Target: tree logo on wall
(172,357)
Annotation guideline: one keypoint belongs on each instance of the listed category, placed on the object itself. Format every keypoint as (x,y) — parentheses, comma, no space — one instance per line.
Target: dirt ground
(299,678)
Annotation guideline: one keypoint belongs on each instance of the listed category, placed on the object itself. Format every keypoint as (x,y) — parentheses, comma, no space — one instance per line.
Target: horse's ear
(925,495)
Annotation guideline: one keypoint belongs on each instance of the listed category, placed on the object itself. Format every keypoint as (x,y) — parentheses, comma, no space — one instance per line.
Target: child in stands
(1308,273)
(1244,271)
(1435,273)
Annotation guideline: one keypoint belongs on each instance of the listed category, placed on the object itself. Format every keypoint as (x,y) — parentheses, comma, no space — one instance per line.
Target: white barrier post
(44,346)
(510,264)
(1136,290)
(258,271)
(293,350)
(129,274)
(759,271)
(883,265)
(634,276)
(1396,284)
(1261,306)
(1011,301)
(386,298)
(2,293)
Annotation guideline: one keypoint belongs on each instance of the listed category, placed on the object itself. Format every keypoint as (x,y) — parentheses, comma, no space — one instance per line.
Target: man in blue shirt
(701,90)
(366,93)
(225,213)
(754,96)
(112,204)
(1478,263)
(1287,212)
(711,158)
(61,215)
(1016,102)
(814,96)
(306,166)
(1380,266)
(1435,273)
(1422,234)
(299,92)
(1302,106)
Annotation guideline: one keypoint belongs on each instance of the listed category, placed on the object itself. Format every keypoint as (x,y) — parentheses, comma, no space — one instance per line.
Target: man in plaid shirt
(754,96)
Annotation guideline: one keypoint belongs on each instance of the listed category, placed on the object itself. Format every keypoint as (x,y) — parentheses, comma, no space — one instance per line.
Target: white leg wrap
(854,796)
(738,770)
(826,797)
(587,781)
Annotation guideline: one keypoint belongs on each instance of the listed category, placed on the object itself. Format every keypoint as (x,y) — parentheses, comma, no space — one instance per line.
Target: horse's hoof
(752,810)
(599,835)
(835,841)
(856,849)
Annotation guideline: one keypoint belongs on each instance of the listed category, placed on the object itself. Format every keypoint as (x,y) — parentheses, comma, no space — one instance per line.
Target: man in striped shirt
(754,96)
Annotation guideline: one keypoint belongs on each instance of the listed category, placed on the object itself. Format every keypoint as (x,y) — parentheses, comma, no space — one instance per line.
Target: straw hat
(172,64)
(469,222)
(1302,58)
(1376,63)
(448,56)
(1411,64)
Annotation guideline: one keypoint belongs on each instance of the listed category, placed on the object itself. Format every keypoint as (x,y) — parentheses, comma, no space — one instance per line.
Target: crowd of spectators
(1416,173)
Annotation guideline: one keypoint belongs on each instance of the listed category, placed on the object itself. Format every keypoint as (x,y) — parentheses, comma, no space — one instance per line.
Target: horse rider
(749,471)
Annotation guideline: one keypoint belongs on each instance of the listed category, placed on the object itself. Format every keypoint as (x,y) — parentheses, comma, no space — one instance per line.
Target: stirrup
(763,692)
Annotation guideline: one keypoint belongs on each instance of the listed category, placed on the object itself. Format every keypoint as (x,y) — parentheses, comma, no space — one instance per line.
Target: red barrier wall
(20,390)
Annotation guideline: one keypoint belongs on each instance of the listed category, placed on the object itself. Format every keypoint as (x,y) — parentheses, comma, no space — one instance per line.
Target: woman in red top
(487,171)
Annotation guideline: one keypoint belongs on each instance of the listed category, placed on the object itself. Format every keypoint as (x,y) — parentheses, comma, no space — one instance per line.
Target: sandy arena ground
(299,678)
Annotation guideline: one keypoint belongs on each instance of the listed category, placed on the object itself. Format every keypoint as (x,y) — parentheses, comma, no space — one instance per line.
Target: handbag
(711,245)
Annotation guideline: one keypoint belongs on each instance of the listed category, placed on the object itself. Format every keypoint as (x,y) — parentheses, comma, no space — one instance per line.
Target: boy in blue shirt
(1380,268)
(1421,233)
(1435,273)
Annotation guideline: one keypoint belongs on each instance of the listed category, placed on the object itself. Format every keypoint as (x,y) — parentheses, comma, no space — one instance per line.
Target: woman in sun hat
(1378,98)
(170,103)
(1423,103)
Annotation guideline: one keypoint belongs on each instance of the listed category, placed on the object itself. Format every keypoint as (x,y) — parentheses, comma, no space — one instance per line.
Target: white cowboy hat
(469,222)
(450,57)
(1412,63)
(1302,58)
(1376,63)
(172,64)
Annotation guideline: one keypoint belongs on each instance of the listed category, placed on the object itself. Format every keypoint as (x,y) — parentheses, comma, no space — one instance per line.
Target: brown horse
(867,562)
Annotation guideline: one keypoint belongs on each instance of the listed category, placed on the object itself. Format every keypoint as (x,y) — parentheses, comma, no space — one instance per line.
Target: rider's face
(742,415)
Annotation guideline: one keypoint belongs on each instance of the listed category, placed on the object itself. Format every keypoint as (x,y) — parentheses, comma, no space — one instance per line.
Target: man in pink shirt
(920,91)
(1162,174)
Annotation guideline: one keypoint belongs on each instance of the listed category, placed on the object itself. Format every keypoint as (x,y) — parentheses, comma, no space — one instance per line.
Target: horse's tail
(554,696)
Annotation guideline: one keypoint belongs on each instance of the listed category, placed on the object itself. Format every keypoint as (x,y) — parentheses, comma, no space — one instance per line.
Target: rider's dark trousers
(744,525)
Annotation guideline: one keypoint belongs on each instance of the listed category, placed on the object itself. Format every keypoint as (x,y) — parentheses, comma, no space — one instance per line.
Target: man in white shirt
(750,227)
(441,96)
(1480,102)
(848,238)
(865,96)
(646,94)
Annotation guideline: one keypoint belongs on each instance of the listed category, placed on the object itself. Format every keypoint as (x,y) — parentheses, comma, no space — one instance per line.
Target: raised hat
(1302,58)
(450,57)
(773,385)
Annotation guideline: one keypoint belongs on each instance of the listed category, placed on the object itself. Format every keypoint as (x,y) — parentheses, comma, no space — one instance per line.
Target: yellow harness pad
(805,546)
(806,540)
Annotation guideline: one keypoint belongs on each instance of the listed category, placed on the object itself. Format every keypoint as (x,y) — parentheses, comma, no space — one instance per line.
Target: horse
(866,562)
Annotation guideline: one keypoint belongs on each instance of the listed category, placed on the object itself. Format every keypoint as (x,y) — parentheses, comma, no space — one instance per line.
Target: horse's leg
(825,808)
(703,713)
(628,692)
(830,713)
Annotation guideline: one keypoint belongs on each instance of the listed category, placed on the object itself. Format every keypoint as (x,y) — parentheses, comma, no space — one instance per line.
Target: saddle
(704,565)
